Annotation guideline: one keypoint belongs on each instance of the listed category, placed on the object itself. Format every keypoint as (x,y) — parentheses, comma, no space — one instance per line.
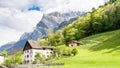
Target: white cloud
(19,20)
(52,5)
(17,4)
(8,35)
(66,5)
(16,19)
(14,22)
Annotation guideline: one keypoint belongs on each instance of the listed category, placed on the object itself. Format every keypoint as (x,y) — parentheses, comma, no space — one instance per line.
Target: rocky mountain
(49,23)
(10,44)
(65,23)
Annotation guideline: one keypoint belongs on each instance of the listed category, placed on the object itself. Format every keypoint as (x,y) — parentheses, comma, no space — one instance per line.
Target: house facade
(32,47)
(1,59)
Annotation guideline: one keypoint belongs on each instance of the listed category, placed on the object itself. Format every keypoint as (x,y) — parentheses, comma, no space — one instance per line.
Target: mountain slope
(13,47)
(105,18)
(65,23)
(48,24)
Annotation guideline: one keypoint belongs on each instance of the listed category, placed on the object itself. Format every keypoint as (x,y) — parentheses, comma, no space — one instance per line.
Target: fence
(36,65)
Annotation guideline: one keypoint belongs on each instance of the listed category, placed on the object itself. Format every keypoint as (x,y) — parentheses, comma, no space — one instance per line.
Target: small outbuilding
(73,43)
(1,58)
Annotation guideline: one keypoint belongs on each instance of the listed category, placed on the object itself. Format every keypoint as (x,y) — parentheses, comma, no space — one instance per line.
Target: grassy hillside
(109,41)
(98,51)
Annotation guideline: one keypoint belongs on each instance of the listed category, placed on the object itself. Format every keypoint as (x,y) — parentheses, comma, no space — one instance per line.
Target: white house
(1,58)
(32,47)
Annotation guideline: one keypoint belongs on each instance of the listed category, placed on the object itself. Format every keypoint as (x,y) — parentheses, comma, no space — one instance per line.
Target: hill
(107,41)
(105,18)
(100,51)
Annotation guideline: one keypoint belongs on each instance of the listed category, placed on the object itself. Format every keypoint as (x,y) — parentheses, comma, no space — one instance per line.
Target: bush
(35,61)
(62,50)
(39,58)
(74,51)
(14,59)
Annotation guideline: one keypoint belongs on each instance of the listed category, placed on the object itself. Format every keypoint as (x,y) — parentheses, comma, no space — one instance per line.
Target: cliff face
(50,23)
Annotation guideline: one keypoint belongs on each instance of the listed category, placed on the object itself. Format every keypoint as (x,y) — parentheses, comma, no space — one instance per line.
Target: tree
(18,59)
(74,51)
(35,61)
(4,52)
(44,42)
(111,1)
(39,58)
(62,50)
(14,59)
(56,38)
(58,51)
(8,61)
(101,20)
(70,33)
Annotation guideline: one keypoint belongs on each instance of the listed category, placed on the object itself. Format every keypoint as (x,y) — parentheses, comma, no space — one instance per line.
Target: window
(43,48)
(28,61)
(51,52)
(27,50)
(25,62)
(27,56)
(47,55)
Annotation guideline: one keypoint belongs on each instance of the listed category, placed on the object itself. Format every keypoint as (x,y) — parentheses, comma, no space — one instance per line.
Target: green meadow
(98,51)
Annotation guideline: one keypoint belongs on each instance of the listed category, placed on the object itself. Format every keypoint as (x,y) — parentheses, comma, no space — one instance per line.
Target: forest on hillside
(105,18)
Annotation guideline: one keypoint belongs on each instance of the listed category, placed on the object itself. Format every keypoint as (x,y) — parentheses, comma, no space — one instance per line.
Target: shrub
(74,51)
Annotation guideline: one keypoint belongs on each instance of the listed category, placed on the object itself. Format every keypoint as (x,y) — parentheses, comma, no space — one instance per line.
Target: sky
(19,16)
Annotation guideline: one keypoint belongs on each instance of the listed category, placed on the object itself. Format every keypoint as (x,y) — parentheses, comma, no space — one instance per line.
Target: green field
(98,51)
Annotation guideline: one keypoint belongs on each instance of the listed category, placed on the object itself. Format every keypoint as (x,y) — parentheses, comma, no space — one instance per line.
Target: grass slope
(109,41)
(99,51)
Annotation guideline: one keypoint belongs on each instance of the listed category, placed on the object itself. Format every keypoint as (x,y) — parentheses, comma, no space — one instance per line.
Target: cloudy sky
(19,16)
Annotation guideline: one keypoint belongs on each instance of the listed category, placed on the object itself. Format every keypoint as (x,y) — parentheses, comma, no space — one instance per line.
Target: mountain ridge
(47,24)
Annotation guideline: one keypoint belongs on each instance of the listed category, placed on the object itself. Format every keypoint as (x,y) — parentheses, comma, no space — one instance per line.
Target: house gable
(27,46)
